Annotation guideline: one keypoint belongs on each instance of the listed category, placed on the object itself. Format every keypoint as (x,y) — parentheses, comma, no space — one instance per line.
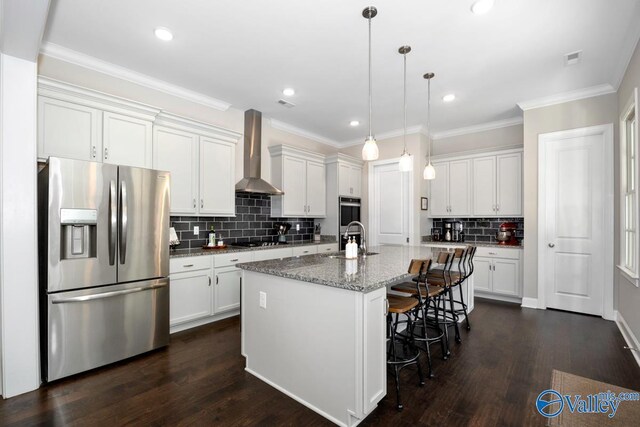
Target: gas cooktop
(255,244)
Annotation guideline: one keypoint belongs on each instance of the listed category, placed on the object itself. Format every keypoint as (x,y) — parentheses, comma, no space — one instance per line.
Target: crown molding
(498,124)
(301,153)
(626,53)
(561,98)
(188,125)
(64,54)
(412,130)
(286,127)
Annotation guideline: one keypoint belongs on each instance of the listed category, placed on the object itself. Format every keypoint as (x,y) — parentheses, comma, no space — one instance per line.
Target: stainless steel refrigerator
(104,264)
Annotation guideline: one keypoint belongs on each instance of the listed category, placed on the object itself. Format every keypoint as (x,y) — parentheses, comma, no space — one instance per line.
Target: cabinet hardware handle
(493,253)
(386,308)
(234,260)
(106,153)
(188,265)
(209,277)
(194,203)
(94,152)
(497,208)
(217,280)
(201,203)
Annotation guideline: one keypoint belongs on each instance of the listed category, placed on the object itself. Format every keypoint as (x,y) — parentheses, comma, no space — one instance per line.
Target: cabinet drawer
(508,253)
(305,250)
(266,254)
(224,260)
(329,247)
(178,265)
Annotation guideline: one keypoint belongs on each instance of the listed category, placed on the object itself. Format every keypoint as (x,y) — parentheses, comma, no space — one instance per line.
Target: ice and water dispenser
(78,233)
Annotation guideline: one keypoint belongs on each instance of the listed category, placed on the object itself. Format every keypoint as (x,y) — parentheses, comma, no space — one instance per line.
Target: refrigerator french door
(104,264)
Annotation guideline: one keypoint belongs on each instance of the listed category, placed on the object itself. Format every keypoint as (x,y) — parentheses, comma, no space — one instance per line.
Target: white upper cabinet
(68,130)
(301,175)
(201,159)
(217,177)
(497,185)
(478,185)
(349,180)
(177,152)
(82,124)
(126,140)
(451,190)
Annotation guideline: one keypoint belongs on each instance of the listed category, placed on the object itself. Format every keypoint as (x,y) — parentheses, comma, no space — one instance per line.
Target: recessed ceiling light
(288,92)
(480,7)
(449,97)
(163,34)
(354,123)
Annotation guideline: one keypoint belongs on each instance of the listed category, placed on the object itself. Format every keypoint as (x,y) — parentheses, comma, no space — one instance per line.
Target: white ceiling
(245,52)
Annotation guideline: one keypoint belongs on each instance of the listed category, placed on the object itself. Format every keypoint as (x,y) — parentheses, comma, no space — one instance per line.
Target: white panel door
(126,140)
(68,130)
(294,186)
(482,274)
(439,203)
(316,190)
(460,187)
(190,297)
(572,196)
(391,204)
(217,178)
(484,186)
(344,180)
(509,184)
(177,152)
(227,290)
(506,277)
(356,181)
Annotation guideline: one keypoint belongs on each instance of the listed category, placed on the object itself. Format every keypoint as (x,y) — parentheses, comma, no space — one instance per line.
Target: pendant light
(406,161)
(429,170)
(370,149)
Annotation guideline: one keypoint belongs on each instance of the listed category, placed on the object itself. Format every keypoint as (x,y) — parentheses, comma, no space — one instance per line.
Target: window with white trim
(629,243)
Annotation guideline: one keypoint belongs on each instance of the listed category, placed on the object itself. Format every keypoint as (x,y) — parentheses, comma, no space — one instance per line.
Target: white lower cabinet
(227,289)
(497,272)
(190,297)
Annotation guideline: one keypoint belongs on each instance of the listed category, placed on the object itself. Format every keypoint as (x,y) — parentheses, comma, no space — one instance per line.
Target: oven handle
(351,204)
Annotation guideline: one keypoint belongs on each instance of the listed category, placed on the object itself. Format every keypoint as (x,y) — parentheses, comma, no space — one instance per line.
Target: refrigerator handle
(123,222)
(113,222)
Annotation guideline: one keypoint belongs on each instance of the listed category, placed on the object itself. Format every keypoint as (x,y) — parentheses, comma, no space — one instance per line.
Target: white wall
(490,139)
(18,227)
(628,294)
(570,115)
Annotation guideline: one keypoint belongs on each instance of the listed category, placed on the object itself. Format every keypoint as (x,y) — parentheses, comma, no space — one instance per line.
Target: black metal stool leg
(454,317)
(464,308)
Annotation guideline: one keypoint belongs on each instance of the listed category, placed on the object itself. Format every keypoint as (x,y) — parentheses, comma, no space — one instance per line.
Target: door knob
(552,245)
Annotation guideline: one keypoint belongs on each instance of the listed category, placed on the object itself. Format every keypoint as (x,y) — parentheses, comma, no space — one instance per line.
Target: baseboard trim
(530,302)
(505,298)
(628,335)
(195,323)
(301,400)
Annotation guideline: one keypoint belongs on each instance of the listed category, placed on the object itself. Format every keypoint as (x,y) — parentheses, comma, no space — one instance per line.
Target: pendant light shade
(406,160)
(429,171)
(370,149)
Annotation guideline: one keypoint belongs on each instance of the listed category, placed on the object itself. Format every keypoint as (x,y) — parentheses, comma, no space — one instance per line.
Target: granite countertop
(178,253)
(462,244)
(362,275)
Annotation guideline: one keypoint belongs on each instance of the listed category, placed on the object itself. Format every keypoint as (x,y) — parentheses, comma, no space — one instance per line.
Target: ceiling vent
(573,58)
(286,103)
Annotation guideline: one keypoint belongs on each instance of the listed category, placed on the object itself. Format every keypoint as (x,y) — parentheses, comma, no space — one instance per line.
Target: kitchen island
(314,327)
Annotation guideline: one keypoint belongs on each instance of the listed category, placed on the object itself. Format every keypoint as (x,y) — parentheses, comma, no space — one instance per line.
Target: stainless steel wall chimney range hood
(252,182)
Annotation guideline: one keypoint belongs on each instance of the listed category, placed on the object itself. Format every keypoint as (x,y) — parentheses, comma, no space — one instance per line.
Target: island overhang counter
(314,327)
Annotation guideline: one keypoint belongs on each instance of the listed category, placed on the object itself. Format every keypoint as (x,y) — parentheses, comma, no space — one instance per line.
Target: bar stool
(401,348)
(442,277)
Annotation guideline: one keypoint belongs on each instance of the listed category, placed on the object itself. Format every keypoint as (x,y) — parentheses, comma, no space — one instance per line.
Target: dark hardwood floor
(492,378)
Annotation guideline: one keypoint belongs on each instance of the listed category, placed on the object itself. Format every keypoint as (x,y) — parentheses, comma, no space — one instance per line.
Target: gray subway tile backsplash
(482,229)
(253,221)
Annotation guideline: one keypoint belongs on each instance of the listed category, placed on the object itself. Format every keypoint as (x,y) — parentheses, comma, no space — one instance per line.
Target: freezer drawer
(94,327)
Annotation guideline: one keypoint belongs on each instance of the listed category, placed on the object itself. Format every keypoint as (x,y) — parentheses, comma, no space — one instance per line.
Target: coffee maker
(453,231)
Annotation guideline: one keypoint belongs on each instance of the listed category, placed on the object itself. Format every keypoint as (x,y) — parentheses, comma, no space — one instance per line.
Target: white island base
(321,345)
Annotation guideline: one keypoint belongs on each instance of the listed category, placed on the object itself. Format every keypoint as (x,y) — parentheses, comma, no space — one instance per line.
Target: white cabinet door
(227,289)
(177,152)
(459,187)
(482,274)
(316,190)
(126,140)
(374,346)
(484,186)
(344,180)
(439,203)
(217,178)
(294,186)
(356,181)
(506,277)
(68,130)
(190,296)
(509,184)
